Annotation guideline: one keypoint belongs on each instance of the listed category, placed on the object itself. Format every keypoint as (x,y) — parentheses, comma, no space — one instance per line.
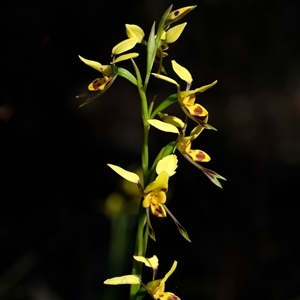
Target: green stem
(141,239)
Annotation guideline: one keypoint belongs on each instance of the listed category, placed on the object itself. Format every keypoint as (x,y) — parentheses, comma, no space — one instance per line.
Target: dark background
(55,238)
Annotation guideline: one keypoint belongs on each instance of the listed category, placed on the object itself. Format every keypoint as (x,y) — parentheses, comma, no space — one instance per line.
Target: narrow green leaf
(151,49)
(163,19)
(164,104)
(138,75)
(126,74)
(145,111)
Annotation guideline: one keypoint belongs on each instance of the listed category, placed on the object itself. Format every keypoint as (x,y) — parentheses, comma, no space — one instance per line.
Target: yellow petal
(166,78)
(198,90)
(182,72)
(168,164)
(124,46)
(177,14)
(198,129)
(160,183)
(174,33)
(163,126)
(125,57)
(134,31)
(162,282)
(130,176)
(206,87)
(149,262)
(171,120)
(105,69)
(126,279)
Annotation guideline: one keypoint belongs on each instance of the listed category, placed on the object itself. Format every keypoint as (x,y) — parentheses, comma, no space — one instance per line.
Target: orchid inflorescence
(153,186)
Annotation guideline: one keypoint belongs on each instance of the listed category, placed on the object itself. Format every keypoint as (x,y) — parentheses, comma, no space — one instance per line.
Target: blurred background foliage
(55,232)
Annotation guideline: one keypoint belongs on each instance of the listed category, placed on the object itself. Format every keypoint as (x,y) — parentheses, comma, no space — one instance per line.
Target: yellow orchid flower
(175,125)
(187,98)
(172,124)
(155,192)
(99,84)
(155,288)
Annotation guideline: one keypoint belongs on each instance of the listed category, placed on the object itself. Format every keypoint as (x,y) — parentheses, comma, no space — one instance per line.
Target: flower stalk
(154,182)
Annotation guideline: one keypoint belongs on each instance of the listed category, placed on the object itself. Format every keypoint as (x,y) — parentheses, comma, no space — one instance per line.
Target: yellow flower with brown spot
(99,84)
(155,192)
(186,99)
(184,143)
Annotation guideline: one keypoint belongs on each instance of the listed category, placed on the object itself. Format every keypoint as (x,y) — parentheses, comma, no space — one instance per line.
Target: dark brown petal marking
(96,85)
(200,156)
(176,13)
(158,212)
(173,297)
(198,111)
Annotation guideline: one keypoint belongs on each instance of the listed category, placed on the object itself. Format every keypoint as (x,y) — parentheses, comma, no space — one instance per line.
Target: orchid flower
(187,98)
(155,288)
(184,143)
(155,192)
(99,84)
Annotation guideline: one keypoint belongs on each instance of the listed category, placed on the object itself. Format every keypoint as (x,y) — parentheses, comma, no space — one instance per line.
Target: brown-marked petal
(177,14)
